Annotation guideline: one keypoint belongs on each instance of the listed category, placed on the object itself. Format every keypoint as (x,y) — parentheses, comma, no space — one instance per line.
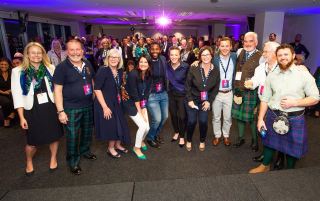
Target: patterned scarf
(31,75)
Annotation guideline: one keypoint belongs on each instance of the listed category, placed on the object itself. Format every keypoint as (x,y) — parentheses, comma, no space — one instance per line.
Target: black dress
(43,123)
(115,128)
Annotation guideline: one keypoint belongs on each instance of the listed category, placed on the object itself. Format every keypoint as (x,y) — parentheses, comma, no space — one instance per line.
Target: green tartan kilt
(245,111)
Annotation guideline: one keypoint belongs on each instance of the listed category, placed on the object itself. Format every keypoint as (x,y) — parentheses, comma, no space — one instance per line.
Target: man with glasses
(245,100)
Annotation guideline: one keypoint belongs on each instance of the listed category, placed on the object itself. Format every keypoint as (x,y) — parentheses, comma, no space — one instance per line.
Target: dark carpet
(169,173)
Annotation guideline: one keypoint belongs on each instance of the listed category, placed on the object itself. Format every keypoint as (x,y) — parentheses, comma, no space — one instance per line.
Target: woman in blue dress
(110,123)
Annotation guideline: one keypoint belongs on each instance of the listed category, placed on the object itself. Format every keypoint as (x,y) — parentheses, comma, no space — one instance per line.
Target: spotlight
(163,21)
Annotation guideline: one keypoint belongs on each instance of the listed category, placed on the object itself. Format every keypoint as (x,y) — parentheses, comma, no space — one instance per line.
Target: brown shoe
(226,141)
(260,169)
(215,141)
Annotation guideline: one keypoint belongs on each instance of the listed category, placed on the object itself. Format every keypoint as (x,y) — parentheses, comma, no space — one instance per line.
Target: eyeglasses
(205,55)
(35,53)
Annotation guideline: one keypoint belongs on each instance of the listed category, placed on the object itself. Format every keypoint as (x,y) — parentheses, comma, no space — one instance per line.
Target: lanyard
(225,70)
(117,80)
(82,73)
(204,78)
(143,87)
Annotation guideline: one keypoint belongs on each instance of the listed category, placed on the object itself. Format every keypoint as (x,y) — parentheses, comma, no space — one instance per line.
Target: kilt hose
(78,133)
(294,143)
(245,111)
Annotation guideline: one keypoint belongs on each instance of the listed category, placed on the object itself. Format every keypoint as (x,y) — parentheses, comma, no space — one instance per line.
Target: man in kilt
(288,90)
(245,100)
(74,101)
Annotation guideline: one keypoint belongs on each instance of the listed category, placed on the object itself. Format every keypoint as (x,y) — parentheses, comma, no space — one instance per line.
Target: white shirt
(260,76)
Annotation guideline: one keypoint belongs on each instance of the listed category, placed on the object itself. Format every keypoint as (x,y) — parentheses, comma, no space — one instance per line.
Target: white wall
(309,27)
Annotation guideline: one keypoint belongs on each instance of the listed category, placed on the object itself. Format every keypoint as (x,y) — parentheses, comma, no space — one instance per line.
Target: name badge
(238,75)
(119,98)
(261,89)
(143,103)
(204,95)
(42,98)
(158,87)
(87,89)
(225,83)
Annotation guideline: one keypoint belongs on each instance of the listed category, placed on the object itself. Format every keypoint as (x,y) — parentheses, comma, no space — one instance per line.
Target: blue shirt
(177,78)
(228,75)
(73,83)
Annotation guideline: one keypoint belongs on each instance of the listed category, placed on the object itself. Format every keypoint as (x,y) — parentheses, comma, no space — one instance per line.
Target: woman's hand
(107,114)
(63,118)
(24,123)
(205,105)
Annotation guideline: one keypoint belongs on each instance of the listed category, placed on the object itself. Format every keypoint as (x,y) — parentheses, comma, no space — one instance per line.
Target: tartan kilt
(245,111)
(294,143)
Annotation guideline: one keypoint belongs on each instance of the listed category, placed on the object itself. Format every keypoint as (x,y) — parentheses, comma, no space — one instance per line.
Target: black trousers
(6,103)
(178,113)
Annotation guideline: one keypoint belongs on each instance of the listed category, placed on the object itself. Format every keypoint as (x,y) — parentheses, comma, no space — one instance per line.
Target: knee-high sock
(268,154)
(253,131)
(241,127)
(291,162)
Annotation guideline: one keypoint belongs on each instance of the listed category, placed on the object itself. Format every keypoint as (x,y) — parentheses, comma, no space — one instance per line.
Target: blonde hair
(111,52)
(26,62)
(57,42)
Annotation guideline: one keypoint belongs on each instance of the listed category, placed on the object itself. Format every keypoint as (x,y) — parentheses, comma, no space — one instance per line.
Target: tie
(247,56)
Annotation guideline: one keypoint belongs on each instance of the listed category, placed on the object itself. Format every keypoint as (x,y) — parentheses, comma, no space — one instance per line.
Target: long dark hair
(8,61)
(148,72)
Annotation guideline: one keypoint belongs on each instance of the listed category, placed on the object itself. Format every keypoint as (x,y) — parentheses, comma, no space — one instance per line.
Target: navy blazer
(233,56)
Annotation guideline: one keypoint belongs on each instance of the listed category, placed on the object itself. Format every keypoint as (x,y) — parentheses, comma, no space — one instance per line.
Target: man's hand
(287,103)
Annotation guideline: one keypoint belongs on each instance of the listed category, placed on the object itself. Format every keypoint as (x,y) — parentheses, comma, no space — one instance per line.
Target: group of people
(61,92)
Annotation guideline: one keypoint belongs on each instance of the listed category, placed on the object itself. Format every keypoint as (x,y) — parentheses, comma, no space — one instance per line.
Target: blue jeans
(157,106)
(195,115)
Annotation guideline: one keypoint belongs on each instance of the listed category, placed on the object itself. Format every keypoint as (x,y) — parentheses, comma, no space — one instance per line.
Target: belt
(225,91)
(290,114)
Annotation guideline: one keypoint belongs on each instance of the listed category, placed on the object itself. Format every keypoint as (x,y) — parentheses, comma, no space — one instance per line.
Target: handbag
(281,123)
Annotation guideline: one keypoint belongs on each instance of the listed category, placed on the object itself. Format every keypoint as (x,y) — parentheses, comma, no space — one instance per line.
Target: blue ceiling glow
(304,11)
(235,30)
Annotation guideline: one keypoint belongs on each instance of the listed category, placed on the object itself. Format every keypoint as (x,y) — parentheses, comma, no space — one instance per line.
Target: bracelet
(60,111)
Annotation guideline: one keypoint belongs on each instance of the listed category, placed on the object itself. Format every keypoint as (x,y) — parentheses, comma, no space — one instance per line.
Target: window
(14,36)
(32,32)
(57,30)
(67,30)
(47,36)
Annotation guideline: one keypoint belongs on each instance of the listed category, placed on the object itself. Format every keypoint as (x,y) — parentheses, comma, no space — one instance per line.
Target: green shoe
(142,157)
(144,148)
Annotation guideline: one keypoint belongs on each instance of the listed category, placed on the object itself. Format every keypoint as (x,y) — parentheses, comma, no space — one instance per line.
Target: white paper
(42,98)
(238,75)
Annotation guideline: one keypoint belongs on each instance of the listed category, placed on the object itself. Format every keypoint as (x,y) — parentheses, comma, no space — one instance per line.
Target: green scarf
(30,74)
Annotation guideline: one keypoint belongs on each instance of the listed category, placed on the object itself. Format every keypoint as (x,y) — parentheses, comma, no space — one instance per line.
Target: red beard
(285,67)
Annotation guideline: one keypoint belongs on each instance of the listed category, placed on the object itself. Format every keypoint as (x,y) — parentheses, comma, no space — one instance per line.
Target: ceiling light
(163,21)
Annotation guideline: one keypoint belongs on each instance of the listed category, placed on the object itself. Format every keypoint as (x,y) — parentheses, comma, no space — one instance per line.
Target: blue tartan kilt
(294,143)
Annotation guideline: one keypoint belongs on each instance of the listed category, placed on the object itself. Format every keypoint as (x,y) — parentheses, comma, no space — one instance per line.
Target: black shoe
(75,170)
(153,143)
(279,164)
(258,158)
(29,174)
(113,156)
(51,170)
(124,151)
(255,147)
(239,143)
(90,156)
(159,140)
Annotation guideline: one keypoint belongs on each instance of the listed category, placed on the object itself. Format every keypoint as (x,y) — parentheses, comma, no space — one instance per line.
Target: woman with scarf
(32,91)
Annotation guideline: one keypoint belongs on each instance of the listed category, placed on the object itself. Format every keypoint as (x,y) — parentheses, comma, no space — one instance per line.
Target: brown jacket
(246,67)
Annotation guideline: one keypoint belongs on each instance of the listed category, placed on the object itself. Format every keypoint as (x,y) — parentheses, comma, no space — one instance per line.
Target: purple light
(163,21)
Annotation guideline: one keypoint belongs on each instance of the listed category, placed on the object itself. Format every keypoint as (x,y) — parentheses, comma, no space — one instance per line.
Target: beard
(286,66)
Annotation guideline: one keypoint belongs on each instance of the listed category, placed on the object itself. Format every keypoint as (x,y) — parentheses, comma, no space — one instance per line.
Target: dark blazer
(129,53)
(233,56)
